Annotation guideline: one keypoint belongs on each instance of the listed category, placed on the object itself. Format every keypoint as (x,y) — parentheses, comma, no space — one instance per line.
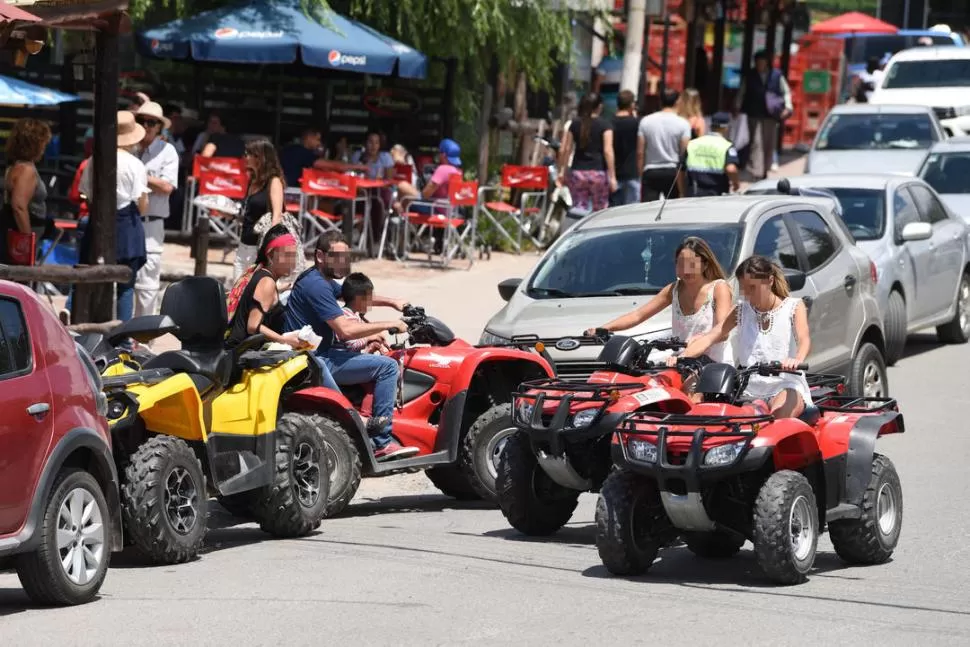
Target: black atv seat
(205,369)
(811,414)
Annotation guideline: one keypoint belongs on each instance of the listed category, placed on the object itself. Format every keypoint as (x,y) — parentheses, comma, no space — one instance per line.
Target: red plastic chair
(320,185)
(445,216)
(532,182)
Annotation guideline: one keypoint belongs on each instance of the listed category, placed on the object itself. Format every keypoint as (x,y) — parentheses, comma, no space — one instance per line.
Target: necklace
(766,318)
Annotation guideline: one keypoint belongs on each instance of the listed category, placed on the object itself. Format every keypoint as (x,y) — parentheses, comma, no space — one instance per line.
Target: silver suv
(617,259)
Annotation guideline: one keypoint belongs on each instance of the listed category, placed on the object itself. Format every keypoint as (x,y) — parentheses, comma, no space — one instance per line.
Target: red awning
(9,13)
(853,22)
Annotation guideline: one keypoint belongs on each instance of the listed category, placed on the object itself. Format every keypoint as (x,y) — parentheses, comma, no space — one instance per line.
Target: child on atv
(772,327)
(700,297)
(358,294)
(313,302)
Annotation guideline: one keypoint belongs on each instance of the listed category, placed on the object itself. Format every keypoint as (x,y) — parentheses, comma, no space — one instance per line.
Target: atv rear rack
(824,380)
(664,422)
(852,404)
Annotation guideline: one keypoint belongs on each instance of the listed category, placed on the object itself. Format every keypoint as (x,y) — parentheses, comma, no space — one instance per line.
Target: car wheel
(895,326)
(71,561)
(868,377)
(957,330)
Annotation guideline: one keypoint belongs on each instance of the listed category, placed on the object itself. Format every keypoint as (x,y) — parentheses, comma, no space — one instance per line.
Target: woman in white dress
(700,297)
(772,327)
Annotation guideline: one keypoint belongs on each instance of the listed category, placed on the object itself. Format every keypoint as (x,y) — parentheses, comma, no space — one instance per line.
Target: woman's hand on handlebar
(672,361)
(791,364)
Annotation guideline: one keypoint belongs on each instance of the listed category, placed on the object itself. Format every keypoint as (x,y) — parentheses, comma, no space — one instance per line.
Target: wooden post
(448,98)
(200,246)
(485,131)
(95,302)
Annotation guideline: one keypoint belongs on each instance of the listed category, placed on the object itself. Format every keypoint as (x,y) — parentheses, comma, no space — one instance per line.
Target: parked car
(936,77)
(617,259)
(947,170)
(860,136)
(60,517)
(919,247)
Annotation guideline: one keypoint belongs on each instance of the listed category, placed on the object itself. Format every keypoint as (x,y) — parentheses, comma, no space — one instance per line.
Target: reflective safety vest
(707,154)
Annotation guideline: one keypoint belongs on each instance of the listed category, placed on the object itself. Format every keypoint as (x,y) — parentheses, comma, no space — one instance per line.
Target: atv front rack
(852,404)
(699,423)
(567,394)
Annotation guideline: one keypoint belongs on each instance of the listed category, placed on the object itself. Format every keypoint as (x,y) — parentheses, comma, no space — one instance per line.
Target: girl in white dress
(701,298)
(772,327)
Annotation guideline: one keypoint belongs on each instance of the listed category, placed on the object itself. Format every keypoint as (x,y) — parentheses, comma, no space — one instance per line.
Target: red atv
(727,472)
(453,404)
(562,444)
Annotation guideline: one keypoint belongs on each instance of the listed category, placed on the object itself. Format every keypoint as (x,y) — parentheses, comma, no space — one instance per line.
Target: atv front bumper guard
(680,483)
(551,439)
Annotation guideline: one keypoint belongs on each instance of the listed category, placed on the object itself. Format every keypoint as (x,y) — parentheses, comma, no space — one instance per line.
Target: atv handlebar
(770,368)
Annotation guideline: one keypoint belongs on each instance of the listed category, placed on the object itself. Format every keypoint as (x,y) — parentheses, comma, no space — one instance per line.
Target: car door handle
(38,409)
(850,282)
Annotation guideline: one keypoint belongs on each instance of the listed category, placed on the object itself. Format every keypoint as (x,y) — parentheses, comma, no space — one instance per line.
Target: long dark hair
(267,164)
(587,107)
(274,232)
(760,267)
(712,269)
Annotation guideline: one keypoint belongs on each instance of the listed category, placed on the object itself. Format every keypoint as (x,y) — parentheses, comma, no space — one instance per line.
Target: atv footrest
(851,404)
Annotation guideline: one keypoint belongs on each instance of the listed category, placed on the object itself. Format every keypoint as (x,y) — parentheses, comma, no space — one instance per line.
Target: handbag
(21,247)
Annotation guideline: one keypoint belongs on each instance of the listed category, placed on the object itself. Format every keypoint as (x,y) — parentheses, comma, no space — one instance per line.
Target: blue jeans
(628,193)
(348,367)
(325,376)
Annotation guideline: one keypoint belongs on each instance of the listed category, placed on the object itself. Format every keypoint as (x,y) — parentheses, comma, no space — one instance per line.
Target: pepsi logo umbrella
(280,32)
(14,92)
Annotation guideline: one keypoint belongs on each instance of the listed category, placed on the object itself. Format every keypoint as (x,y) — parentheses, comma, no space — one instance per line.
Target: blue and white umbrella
(14,92)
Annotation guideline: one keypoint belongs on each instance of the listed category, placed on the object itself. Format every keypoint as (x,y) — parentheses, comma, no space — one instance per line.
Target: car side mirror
(916,231)
(796,280)
(507,288)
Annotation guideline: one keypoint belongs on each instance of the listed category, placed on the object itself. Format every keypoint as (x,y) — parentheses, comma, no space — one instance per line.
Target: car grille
(577,371)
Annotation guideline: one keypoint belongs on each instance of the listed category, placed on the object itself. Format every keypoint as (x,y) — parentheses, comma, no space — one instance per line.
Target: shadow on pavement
(414,503)
(921,343)
(569,535)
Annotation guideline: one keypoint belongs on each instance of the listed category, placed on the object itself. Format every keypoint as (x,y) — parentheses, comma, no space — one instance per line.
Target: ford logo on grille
(567,344)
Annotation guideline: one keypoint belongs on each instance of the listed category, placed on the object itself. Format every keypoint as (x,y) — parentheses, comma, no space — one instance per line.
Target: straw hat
(153,110)
(129,132)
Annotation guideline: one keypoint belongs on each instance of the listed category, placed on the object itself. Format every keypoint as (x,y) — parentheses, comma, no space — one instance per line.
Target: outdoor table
(373,189)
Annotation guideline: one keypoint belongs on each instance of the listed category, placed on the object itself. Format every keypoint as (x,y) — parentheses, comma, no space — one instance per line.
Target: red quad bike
(453,404)
(562,444)
(727,472)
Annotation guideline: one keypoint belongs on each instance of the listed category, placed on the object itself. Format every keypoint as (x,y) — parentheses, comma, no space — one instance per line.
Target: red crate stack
(816,57)
(676,53)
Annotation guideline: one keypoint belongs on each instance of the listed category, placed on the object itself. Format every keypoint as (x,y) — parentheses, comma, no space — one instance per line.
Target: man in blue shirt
(301,155)
(313,302)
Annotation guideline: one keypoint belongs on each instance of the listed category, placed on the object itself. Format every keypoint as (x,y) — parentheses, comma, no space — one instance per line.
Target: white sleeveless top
(776,344)
(700,322)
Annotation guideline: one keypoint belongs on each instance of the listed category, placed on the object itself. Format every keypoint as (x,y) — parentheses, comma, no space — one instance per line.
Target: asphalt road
(408,566)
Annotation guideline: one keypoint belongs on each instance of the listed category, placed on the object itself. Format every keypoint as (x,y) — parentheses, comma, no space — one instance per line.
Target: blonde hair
(760,267)
(712,269)
(689,104)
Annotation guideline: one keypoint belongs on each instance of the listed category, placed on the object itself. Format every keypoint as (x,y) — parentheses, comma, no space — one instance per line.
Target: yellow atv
(203,420)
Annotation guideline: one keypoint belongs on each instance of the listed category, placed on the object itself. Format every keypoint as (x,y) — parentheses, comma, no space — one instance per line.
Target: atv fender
(319,399)
(794,445)
(171,407)
(251,406)
(861,449)
(473,361)
(668,400)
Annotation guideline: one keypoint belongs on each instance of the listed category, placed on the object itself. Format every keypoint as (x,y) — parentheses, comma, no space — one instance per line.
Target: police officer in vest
(712,161)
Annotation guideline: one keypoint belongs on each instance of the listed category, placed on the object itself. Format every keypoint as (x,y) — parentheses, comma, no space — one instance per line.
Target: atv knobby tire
(773,527)
(453,482)
(300,458)
(478,449)
(629,523)
(864,541)
(343,463)
(532,502)
(41,572)
(145,500)
(713,545)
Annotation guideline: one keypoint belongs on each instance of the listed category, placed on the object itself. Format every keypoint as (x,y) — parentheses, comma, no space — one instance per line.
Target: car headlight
(641,450)
(523,410)
(584,418)
(724,454)
(489,339)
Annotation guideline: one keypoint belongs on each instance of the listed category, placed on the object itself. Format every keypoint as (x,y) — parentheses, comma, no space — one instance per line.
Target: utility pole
(633,49)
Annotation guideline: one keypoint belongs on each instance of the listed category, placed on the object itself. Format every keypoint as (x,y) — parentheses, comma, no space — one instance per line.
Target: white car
(937,77)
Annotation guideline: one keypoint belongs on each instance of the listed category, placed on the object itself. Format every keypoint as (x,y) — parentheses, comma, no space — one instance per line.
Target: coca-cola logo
(319,184)
(222,185)
(222,167)
(526,177)
(392,102)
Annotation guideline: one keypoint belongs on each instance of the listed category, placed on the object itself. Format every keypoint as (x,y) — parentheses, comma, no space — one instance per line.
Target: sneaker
(394,450)
(376,425)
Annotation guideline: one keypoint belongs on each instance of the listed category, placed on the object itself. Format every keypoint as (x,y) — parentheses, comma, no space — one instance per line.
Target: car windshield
(878,46)
(863,211)
(624,261)
(947,172)
(932,73)
(860,131)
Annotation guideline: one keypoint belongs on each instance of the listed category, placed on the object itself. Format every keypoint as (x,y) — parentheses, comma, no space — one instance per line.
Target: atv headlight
(584,418)
(724,454)
(641,450)
(116,409)
(523,410)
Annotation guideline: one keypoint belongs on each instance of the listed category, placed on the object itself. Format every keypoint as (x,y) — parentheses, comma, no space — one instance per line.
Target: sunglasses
(149,123)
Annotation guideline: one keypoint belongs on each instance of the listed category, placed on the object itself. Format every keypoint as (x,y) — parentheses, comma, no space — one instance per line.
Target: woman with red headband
(254,303)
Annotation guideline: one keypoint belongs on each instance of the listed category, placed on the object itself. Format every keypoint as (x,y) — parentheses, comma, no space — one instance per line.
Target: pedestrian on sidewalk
(161,162)
(661,146)
(765,98)
(263,196)
(625,125)
(712,161)
(689,107)
(589,141)
(132,202)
